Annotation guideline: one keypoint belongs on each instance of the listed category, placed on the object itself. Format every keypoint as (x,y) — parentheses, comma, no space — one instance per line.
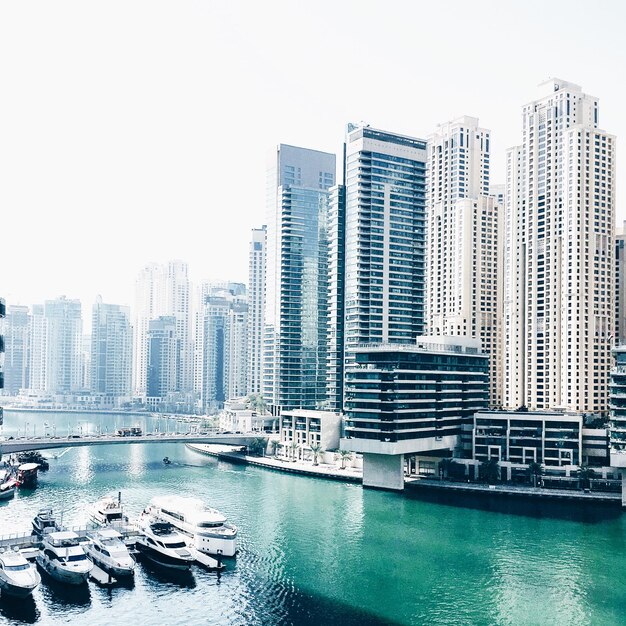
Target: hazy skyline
(138,131)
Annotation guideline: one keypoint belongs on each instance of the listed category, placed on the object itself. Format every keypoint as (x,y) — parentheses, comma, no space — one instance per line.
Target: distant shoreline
(102,412)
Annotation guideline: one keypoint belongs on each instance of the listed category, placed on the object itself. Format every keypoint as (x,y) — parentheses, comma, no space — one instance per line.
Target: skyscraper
(256,301)
(17,349)
(161,374)
(385,237)
(336,294)
(64,339)
(296,312)
(3,310)
(620,285)
(163,290)
(560,220)
(111,342)
(38,349)
(464,251)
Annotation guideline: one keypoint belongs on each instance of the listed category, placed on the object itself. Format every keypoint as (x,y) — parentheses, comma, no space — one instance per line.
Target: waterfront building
(464,243)
(111,343)
(306,428)
(385,237)
(256,303)
(405,400)
(336,296)
(620,285)
(560,248)
(161,374)
(617,409)
(237,417)
(63,346)
(163,290)
(296,304)
(17,349)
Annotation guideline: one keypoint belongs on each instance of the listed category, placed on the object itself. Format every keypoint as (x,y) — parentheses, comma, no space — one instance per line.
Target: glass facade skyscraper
(296,307)
(385,238)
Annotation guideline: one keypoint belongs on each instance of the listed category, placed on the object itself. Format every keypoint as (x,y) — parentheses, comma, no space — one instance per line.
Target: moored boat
(107,550)
(108,510)
(44,522)
(206,529)
(7,489)
(63,558)
(27,475)
(163,545)
(18,577)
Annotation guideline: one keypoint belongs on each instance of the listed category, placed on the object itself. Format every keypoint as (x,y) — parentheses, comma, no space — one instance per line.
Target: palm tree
(445,465)
(316,449)
(258,446)
(293,446)
(490,471)
(344,455)
(585,474)
(534,469)
(256,402)
(275,444)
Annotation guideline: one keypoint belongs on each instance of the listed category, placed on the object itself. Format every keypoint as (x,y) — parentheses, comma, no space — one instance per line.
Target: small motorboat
(44,522)
(107,550)
(7,489)
(18,577)
(166,461)
(62,557)
(163,545)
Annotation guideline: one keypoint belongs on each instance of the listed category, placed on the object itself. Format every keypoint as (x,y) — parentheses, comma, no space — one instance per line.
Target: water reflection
(62,599)
(22,610)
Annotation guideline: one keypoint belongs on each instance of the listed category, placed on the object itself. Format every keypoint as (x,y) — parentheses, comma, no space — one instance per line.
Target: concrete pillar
(624,489)
(383,471)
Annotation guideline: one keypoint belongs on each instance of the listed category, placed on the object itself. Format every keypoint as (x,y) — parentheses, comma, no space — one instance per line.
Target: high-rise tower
(296,312)
(560,249)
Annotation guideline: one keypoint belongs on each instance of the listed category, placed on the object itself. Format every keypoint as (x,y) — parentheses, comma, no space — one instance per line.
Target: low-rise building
(306,428)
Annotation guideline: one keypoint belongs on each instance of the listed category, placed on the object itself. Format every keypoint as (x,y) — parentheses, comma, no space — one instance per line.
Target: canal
(323,552)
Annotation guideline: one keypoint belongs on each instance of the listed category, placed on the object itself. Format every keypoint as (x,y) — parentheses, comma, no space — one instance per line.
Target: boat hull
(7,494)
(114,570)
(16,591)
(63,575)
(162,559)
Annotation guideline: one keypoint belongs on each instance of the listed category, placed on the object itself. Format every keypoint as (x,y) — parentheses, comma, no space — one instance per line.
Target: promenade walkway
(519,491)
(322,470)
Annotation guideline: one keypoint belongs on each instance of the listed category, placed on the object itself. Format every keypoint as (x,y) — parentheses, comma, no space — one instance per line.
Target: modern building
(161,374)
(295,339)
(385,238)
(304,429)
(620,285)
(336,296)
(16,372)
(221,355)
(411,399)
(63,346)
(551,438)
(464,243)
(38,349)
(560,230)
(111,350)
(163,290)
(256,304)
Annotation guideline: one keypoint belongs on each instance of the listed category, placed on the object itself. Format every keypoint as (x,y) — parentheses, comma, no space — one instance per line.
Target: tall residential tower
(560,246)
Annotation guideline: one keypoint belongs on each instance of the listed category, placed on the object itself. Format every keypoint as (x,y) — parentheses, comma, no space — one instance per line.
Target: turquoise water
(323,552)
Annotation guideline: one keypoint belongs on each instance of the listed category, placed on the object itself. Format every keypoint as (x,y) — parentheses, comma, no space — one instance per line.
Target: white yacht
(62,557)
(206,529)
(108,510)
(161,543)
(18,577)
(44,522)
(107,550)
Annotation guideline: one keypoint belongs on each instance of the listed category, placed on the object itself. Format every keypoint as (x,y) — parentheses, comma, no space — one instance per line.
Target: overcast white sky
(137,130)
